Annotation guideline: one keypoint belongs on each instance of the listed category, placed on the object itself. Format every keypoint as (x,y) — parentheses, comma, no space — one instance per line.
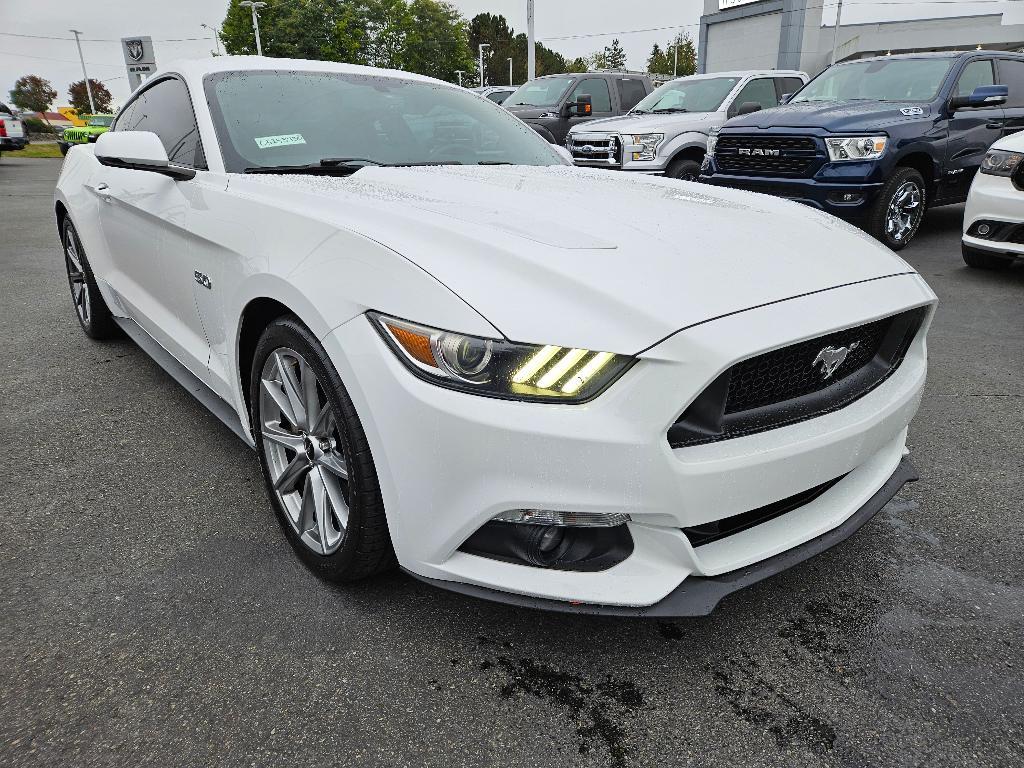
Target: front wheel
(93,314)
(898,209)
(684,169)
(315,458)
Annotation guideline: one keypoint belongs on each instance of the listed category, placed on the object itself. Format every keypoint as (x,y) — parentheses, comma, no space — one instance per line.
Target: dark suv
(553,104)
(876,141)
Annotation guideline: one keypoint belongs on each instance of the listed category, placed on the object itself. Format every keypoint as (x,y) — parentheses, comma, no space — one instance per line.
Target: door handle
(103,191)
(997,124)
(102,187)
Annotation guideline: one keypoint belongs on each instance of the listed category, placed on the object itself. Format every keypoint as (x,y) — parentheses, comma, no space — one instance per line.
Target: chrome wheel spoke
(310,398)
(335,463)
(288,480)
(325,423)
(332,483)
(277,394)
(276,434)
(290,385)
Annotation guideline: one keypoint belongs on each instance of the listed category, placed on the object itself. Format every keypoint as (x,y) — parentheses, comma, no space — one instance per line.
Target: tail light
(3,129)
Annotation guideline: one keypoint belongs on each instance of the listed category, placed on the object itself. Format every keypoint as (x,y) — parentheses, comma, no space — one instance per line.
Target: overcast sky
(573,27)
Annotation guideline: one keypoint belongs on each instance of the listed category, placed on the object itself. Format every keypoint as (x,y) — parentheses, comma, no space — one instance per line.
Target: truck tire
(64,148)
(899,208)
(683,168)
(979,259)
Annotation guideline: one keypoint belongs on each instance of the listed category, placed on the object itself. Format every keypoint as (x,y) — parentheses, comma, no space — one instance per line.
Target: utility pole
(510,70)
(88,88)
(216,39)
(675,67)
(255,7)
(460,72)
(835,32)
(482,46)
(531,50)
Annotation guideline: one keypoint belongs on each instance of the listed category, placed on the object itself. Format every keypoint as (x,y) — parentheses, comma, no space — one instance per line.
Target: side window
(597,89)
(788,85)
(165,110)
(1011,74)
(760,91)
(976,73)
(631,92)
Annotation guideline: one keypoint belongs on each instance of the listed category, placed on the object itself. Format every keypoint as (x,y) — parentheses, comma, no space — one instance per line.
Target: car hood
(672,124)
(837,117)
(580,257)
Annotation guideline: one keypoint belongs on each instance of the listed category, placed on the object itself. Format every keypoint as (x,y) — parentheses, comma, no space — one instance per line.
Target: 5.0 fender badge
(203,280)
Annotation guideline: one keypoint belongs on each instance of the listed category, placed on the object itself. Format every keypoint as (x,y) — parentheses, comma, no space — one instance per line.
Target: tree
(663,61)
(615,55)
(79,96)
(33,93)
(505,43)
(437,42)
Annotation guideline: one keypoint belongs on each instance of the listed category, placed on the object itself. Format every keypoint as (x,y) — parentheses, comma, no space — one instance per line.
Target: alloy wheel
(904,212)
(76,278)
(302,447)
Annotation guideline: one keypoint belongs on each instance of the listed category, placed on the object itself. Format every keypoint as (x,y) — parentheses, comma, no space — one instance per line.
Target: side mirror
(982,96)
(582,107)
(747,107)
(138,151)
(785,98)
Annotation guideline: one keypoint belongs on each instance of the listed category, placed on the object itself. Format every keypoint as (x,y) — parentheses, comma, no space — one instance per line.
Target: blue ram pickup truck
(877,141)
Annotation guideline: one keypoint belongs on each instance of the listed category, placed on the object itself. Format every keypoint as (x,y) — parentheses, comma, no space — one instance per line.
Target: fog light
(558,547)
(984,229)
(555,517)
(845,197)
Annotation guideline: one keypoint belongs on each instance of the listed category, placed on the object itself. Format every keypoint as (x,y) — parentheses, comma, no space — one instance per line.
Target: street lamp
(510,70)
(88,88)
(216,39)
(482,46)
(255,7)
(460,72)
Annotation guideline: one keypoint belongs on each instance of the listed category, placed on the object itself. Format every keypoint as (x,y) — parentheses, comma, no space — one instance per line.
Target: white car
(451,348)
(994,216)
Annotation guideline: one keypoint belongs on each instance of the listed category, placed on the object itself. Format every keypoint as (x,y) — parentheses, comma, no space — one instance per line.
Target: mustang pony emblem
(831,358)
(135,49)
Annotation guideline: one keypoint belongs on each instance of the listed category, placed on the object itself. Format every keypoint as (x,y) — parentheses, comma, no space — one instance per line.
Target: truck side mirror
(785,98)
(582,107)
(982,96)
(747,107)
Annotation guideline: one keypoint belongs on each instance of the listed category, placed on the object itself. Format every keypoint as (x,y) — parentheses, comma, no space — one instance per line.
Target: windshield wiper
(343,166)
(670,109)
(639,111)
(494,162)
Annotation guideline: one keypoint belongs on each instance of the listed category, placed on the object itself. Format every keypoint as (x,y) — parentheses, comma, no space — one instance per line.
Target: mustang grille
(790,384)
(777,155)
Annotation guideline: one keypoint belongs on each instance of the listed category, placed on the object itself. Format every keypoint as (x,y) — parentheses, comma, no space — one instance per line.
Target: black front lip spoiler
(698,595)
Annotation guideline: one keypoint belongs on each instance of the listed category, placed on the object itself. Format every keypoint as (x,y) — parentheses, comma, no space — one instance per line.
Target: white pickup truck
(12,132)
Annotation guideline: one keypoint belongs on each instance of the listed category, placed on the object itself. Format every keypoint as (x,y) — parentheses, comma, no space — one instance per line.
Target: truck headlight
(856,148)
(645,145)
(499,368)
(712,142)
(1000,163)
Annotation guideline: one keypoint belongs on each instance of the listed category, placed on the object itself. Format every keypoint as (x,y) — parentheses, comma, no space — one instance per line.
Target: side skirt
(193,385)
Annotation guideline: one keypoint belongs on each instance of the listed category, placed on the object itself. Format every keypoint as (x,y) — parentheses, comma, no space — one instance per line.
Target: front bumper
(995,199)
(449,462)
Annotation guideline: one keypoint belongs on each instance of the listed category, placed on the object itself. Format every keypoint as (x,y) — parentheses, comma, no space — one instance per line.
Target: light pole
(482,46)
(460,73)
(255,6)
(531,51)
(510,70)
(675,67)
(835,32)
(216,39)
(88,88)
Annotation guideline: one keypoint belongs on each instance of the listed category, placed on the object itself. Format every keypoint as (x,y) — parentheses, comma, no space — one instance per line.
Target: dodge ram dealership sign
(139,58)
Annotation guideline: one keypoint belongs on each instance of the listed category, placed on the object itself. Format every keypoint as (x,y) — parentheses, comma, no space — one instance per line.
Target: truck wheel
(899,208)
(979,259)
(683,168)
(64,148)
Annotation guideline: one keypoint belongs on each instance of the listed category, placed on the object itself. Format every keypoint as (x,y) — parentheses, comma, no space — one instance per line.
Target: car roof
(936,55)
(198,68)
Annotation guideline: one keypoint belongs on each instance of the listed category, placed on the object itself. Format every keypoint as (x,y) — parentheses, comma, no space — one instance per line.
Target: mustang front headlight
(1000,163)
(499,368)
(856,147)
(645,145)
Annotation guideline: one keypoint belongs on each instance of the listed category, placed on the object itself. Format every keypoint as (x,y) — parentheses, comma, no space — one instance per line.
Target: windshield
(100,121)
(543,92)
(696,95)
(268,119)
(881,79)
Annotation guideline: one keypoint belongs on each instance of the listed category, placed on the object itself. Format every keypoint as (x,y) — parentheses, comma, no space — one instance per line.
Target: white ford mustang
(449,347)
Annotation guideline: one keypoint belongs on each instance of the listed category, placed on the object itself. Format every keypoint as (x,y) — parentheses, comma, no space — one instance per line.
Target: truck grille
(602,150)
(776,155)
(788,385)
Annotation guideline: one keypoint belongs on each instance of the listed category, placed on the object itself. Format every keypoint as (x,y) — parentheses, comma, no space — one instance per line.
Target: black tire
(366,548)
(90,308)
(63,148)
(979,259)
(877,223)
(683,168)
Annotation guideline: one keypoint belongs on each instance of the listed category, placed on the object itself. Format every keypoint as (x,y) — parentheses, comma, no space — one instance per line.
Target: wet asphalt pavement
(151,612)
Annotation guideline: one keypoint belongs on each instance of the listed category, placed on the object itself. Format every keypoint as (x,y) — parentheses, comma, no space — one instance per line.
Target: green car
(84,134)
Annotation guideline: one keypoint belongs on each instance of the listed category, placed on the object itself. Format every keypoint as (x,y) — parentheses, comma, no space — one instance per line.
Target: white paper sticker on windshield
(266,142)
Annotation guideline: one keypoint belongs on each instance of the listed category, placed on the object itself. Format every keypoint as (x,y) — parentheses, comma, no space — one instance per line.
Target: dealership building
(788,34)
